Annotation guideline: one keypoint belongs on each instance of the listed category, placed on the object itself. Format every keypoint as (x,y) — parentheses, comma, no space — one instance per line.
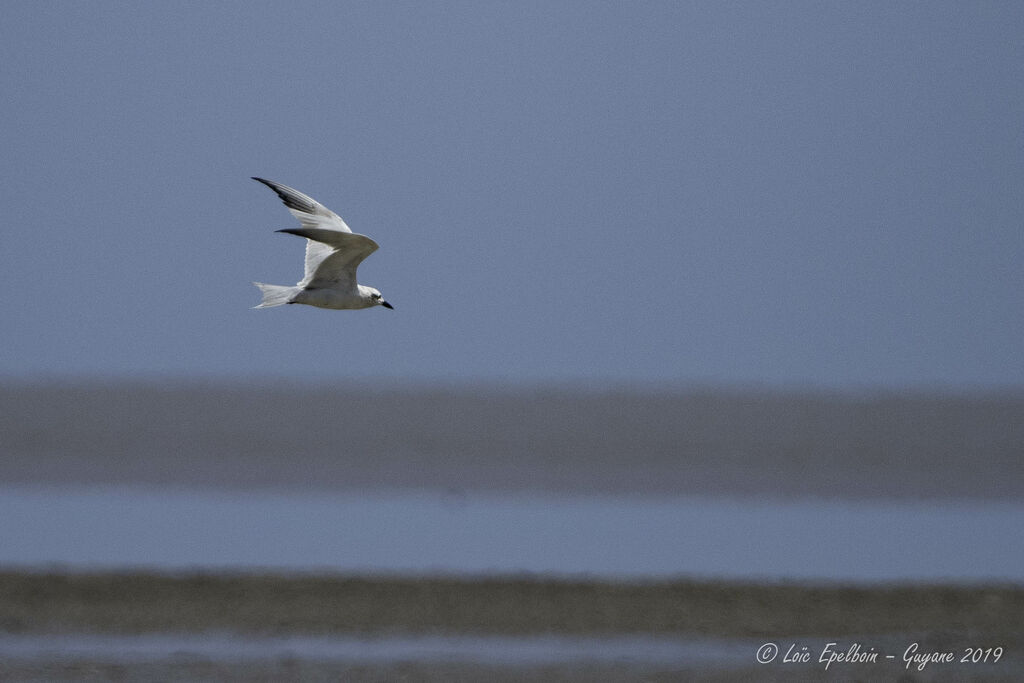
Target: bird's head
(378,300)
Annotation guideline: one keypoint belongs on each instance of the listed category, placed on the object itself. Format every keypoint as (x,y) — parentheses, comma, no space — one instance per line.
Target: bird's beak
(385,304)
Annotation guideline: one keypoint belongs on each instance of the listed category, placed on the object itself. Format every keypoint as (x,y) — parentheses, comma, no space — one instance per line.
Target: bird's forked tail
(275,295)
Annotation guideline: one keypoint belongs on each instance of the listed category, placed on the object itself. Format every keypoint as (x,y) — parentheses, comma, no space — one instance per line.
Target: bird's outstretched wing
(345,251)
(314,216)
(310,212)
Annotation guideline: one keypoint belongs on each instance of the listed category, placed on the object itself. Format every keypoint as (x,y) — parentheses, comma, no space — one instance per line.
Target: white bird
(333,252)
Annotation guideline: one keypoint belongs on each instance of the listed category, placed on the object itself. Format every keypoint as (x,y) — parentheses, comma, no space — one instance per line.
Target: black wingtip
(291,197)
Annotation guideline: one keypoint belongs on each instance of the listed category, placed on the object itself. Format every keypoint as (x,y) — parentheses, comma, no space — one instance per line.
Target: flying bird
(333,252)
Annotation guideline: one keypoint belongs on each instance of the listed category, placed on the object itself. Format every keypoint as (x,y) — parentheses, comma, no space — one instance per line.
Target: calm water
(501,650)
(684,654)
(421,533)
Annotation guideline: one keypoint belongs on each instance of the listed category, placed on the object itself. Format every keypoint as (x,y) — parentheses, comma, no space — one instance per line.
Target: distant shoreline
(722,442)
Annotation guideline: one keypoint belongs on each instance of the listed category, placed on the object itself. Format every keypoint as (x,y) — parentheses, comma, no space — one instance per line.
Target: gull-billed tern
(333,252)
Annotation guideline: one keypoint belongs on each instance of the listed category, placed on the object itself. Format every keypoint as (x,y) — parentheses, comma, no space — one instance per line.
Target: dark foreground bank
(734,616)
(41,602)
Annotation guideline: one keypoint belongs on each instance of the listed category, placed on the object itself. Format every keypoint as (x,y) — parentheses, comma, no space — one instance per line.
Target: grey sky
(812,193)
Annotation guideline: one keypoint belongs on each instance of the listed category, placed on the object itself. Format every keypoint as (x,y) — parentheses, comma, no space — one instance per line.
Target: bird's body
(336,298)
(333,253)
